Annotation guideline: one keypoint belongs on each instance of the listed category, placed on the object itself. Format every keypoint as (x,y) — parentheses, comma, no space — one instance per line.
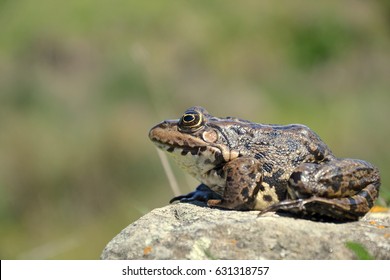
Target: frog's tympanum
(243,165)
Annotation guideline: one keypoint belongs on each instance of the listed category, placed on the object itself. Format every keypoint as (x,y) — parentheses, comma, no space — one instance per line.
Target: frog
(247,166)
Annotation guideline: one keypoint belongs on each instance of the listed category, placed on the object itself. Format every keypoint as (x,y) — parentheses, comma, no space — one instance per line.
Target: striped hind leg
(341,189)
(339,209)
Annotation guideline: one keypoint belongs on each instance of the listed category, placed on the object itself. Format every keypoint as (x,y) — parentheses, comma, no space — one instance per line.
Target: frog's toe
(294,205)
(202,193)
(194,196)
(184,198)
(214,202)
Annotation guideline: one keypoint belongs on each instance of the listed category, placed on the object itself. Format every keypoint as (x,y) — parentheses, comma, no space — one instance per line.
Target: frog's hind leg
(333,179)
(346,208)
(340,209)
(340,189)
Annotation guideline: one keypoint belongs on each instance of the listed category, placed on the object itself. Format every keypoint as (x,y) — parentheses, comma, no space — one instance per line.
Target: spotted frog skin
(249,166)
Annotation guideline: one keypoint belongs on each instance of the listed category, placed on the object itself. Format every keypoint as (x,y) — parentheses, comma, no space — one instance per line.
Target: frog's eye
(191,120)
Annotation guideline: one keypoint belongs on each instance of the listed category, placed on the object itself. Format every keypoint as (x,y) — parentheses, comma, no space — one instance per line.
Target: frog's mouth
(171,140)
(190,152)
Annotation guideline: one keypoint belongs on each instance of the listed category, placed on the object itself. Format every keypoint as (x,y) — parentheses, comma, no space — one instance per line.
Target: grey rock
(188,231)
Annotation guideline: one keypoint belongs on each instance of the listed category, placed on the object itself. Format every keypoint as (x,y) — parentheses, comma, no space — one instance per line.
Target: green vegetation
(81,83)
(360,252)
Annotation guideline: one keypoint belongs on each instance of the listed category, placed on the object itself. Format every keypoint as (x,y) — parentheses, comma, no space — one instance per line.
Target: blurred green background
(82,82)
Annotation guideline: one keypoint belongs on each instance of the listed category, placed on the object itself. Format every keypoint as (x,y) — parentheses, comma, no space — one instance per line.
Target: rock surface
(187,231)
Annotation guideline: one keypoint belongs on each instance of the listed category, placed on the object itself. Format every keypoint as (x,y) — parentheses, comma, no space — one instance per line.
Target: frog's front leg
(243,179)
(341,189)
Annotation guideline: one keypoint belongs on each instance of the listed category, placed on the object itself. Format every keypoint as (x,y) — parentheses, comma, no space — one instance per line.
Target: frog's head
(197,141)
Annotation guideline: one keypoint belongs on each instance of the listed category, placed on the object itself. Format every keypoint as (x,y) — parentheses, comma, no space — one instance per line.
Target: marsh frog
(243,165)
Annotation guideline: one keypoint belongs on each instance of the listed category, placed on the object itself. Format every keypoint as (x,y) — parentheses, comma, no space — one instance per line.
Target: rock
(188,231)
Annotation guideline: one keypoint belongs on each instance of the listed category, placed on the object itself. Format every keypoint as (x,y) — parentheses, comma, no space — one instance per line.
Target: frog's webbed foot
(202,193)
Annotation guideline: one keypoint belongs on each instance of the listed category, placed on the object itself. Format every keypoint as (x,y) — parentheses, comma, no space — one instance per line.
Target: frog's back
(279,150)
(285,145)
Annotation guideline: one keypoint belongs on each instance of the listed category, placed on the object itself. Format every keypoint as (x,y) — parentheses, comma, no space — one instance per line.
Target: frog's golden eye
(191,120)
